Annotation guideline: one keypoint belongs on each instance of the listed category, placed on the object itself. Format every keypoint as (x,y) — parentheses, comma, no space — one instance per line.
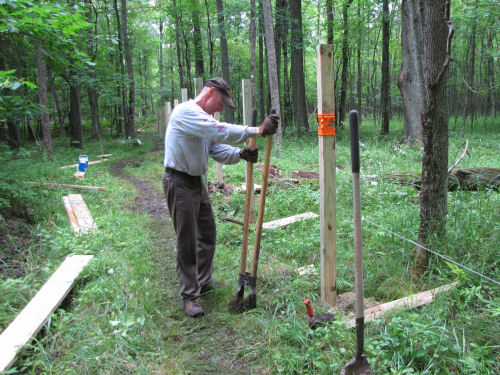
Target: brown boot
(193,308)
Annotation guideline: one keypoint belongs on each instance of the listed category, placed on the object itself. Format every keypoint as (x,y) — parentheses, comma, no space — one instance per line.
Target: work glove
(269,125)
(250,153)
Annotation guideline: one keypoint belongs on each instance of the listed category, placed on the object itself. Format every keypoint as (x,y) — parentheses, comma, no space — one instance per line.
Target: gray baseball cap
(221,86)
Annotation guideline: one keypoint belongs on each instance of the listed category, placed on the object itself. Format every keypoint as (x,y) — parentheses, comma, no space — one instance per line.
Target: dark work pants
(194,223)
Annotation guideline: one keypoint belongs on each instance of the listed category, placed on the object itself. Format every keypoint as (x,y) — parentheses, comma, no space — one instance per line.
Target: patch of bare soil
(150,200)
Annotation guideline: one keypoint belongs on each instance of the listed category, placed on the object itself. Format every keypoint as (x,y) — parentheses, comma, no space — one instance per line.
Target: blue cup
(83,163)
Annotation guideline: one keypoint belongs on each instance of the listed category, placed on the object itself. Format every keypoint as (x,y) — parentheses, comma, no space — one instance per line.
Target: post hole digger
(245,278)
(359,364)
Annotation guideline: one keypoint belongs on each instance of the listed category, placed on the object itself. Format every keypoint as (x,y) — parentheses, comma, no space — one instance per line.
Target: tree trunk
(471,71)
(272,70)
(75,117)
(161,67)
(60,114)
(297,67)
(187,54)
(130,128)
(385,85)
(261,66)
(253,40)
(229,112)
(411,79)
(44,102)
(123,92)
(91,87)
(329,21)
(211,40)
(177,44)
(436,57)
(198,48)
(286,113)
(345,64)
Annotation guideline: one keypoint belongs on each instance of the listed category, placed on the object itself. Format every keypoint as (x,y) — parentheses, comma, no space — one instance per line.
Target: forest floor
(125,314)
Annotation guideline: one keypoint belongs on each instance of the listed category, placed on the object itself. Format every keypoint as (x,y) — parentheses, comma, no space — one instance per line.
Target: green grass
(124,314)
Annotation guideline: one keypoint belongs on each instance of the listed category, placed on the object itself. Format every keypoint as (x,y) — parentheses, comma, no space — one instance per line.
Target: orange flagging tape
(324,121)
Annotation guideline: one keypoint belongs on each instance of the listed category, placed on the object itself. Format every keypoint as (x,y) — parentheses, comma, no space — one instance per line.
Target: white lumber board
(29,321)
(71,214)
(289,220)
(78,214)
(90,163)
(85,221)
(412,301)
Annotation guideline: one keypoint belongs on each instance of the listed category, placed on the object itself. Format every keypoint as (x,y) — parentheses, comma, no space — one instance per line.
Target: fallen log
(470,179)
(66,186)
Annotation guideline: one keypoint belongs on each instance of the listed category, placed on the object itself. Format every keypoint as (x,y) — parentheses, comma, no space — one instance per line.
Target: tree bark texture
(345,63)
(411,76)
(261,65)
(211,40)
(75,117)
(272,69)
(130,128)
(471,68)
(198,47)
(433,194)
(229,112)
(253,43)
(44,101)
(91,85)
(329,21)
(123,92)
(385,85)
(178,44)
(57,102)
(297,67)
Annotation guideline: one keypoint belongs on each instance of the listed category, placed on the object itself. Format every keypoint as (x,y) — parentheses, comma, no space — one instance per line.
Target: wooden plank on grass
(412,301)
(104,155)
(29,321)
(288,220)
(78,214)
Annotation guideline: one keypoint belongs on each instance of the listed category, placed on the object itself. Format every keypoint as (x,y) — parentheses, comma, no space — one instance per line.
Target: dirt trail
(149,200)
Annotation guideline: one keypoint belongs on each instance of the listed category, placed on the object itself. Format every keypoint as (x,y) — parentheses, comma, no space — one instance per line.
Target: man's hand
(250,153)
(269,125)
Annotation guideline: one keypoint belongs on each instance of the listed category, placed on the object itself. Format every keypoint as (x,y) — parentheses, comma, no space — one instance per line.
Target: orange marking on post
(324,121)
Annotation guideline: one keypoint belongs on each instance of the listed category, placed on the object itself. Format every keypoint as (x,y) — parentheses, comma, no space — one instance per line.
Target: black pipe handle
(254,117)
(354,131)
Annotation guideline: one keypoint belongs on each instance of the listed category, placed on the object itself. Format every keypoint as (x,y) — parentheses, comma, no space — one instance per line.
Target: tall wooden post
(184,95)
(326,134)
(247,120)
(166,111)
(198,86)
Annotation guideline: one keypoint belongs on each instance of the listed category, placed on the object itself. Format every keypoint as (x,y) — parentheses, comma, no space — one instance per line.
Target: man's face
(215,102)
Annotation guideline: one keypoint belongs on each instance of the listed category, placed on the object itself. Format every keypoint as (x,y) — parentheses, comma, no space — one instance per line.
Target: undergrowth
(124,314)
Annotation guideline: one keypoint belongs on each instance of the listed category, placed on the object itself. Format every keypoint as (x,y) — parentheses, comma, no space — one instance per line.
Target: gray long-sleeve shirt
(193,135)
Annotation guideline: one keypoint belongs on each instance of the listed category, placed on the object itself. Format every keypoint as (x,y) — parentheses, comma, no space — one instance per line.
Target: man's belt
(175,171)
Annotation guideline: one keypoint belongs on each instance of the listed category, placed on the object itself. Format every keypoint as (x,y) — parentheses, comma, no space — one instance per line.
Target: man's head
(222,87)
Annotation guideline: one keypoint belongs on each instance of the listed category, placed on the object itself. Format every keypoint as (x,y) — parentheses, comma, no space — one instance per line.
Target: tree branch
(460,158)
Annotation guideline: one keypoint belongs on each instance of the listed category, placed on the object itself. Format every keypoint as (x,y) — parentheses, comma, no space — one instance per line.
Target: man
(192,135)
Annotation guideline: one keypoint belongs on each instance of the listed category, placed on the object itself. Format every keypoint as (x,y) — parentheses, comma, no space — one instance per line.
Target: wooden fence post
(198,86)
(326,135)
(184,95)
